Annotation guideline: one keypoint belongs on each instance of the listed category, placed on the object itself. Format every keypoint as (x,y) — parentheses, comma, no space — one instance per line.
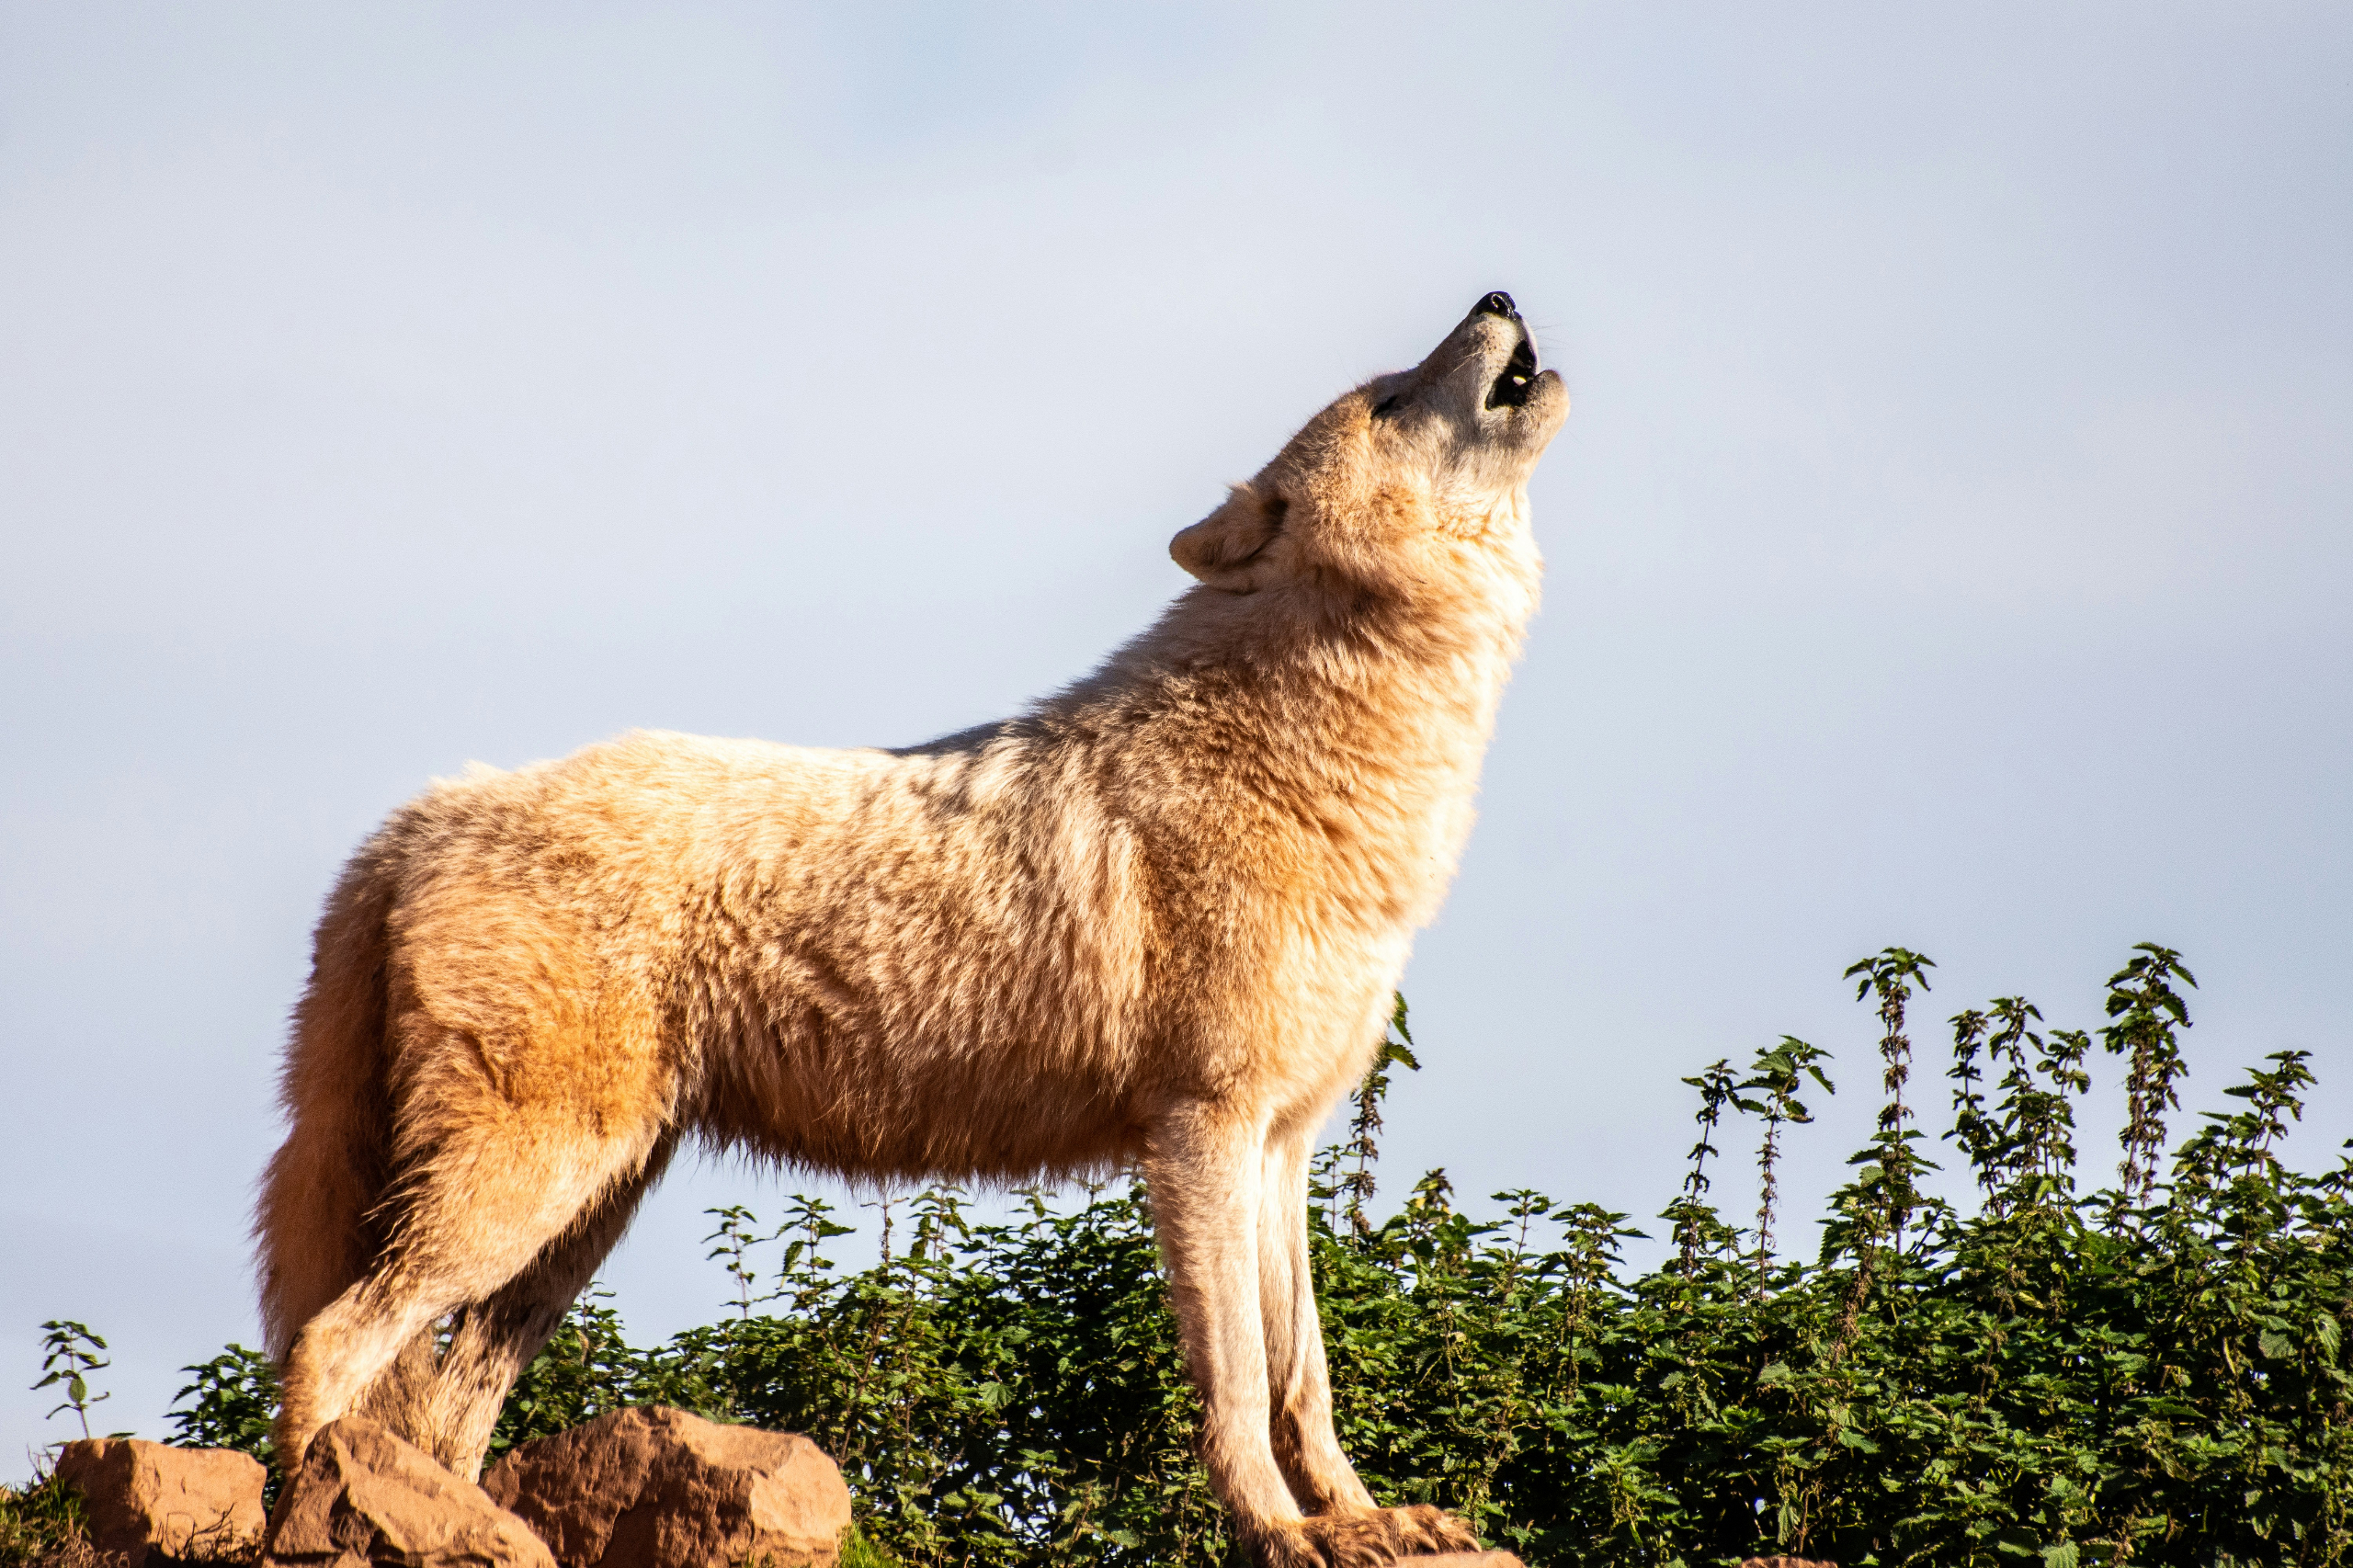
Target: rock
(144,1501)
(365,1497)
(659,1488)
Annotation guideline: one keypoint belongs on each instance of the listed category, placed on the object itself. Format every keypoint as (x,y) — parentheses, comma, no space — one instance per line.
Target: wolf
(1151,924)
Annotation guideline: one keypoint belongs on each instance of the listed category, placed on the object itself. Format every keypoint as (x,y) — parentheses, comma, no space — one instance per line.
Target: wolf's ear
(1223,548)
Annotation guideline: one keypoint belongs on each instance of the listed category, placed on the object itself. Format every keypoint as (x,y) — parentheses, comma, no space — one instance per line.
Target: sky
(1948,547)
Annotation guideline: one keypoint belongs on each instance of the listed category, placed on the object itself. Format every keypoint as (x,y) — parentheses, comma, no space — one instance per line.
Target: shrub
(2148,1373)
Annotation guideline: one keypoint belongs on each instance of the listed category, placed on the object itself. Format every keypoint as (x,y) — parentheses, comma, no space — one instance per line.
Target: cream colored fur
(1152,923)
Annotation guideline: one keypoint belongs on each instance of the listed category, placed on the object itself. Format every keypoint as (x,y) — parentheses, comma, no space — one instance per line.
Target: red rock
(144,1500)
(659,1488)
(363,1496)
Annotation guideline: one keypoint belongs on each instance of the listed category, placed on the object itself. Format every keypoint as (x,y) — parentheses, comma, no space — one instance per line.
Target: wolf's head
(1407,483)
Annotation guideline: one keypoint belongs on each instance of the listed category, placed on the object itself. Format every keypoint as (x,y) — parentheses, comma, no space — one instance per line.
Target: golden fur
(1155,922)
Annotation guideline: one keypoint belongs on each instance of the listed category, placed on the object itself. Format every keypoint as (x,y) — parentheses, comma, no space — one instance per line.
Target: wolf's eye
(1385,404)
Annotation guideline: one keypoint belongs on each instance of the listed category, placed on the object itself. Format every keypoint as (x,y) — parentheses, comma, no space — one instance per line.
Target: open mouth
(1518,377)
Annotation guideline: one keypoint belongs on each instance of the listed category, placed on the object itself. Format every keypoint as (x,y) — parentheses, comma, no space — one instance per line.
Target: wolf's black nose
(1496,304)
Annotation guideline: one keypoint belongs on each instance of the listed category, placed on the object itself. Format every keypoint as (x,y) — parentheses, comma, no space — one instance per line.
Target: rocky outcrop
(144,1502)
(363,1496)
(659,1488)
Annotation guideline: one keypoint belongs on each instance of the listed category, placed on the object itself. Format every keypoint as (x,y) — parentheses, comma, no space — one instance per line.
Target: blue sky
(1949,546)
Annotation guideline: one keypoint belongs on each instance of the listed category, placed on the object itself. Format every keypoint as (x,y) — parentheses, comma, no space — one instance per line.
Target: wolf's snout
(1496,304)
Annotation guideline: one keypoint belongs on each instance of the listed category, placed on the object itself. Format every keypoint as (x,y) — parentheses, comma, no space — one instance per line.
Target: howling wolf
(1152,923)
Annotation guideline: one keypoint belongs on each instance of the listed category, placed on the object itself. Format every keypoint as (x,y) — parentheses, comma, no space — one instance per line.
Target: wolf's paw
(1362,1537)
(1424,1529)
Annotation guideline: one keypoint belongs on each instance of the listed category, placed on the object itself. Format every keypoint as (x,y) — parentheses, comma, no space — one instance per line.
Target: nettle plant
(2147,1372)
(70,1353)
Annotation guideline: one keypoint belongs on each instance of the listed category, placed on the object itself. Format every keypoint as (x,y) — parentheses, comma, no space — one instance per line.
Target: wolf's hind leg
(493,1342)
(397,1395)
(472,1214)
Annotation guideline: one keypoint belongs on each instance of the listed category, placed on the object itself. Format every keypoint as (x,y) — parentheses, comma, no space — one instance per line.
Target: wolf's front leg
(1204,1165)
(1208,1170)
(1300,1386)
(1305,1443)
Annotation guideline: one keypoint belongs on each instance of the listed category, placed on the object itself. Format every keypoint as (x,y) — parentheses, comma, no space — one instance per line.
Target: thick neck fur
(1340,725)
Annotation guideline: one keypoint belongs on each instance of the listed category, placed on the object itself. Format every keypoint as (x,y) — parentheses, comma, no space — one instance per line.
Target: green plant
(2149,1014)
(856,1551)
(228,1402)
(1344,1177)
(70,1353)
(1777,1072)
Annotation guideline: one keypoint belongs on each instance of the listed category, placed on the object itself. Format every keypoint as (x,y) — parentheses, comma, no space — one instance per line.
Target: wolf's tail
(315,1229)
